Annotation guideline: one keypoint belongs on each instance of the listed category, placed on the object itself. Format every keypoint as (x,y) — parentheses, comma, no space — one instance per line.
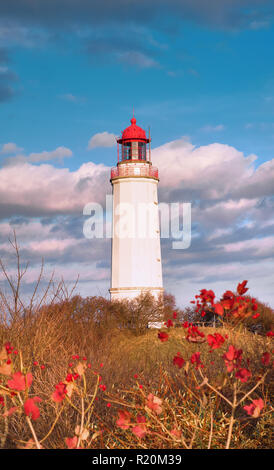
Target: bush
(87,373)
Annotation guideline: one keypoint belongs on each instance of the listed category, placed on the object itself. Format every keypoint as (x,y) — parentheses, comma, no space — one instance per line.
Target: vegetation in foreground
(87,373)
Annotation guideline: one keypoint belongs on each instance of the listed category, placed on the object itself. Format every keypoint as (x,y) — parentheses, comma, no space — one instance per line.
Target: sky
(199,74)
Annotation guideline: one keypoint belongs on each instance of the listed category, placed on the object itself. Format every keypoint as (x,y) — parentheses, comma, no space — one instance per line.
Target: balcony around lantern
(135,170)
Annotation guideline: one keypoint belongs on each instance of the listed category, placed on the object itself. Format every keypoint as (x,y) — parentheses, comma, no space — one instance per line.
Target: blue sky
(188,82)
(195,71)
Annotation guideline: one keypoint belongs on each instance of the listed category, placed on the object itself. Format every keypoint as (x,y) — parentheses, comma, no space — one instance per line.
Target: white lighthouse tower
(136,251)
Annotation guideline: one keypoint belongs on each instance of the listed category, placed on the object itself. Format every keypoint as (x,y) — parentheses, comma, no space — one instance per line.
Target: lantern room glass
(133,150)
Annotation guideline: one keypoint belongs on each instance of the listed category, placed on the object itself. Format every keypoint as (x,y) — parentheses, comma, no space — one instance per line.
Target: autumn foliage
(87,373)
(219,389)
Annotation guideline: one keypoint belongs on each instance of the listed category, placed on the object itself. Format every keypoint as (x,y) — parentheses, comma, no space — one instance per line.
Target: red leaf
(243,375)
(11,411)
(266,358)
(215,341)
(163,336)
(71,442)
(140,430)
(219,309)
(124,419)
(31,409)
(254,408)
(20,382)
(60,392)
(241,289)
(154,403)
(178,361)
(195,359)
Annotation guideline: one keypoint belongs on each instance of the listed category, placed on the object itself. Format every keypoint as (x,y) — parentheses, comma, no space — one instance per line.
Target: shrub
(87,373)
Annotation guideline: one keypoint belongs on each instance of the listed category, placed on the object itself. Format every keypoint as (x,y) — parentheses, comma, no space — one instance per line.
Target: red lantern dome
(133,132)
(133,157)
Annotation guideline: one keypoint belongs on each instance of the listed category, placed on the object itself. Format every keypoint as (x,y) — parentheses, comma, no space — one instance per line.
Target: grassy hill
(87,373)
(132,368)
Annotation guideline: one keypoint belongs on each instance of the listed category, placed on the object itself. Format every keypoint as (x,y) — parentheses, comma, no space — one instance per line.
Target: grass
(128,392)
(200,413)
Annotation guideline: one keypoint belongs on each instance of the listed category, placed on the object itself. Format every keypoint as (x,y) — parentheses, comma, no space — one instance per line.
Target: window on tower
(134,151)
(126,151)
(141,151)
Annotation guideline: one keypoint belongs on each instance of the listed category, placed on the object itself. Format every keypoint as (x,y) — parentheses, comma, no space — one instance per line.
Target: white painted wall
(136,251)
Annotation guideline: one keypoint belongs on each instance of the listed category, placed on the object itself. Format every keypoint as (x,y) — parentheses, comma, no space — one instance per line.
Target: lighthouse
(136,265)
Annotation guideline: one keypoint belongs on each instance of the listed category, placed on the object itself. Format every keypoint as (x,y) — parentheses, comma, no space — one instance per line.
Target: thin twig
(231,422)
(211,430)
(254,388)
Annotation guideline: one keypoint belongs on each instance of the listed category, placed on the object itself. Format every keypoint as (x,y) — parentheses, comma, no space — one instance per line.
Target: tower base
(120,293)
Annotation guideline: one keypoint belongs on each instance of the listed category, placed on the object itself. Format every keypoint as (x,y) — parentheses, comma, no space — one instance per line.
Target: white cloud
(72,98)
(102,139)
(217,128)
(260,246)
(259,24)
(10,147)
(224,213)
(138,59)
(58,154)
(69,97)
(232,218)
(260,184)
(52,246)
(219,232)
(207,172)
(186,281)
(249,125)
(44,189)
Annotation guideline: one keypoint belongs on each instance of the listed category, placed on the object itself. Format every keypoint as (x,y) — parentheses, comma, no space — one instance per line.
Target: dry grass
(53,341)
(50,330)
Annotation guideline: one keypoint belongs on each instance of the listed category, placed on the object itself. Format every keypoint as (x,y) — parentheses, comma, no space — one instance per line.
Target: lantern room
(132,146)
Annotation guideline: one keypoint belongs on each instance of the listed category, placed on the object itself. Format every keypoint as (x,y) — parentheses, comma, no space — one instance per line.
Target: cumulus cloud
(43,189)
(206,173)
(60,242)
(232,219)
(10,147)
(232,216)
(261,183)
(102,139)
(260,247)
(58,155)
